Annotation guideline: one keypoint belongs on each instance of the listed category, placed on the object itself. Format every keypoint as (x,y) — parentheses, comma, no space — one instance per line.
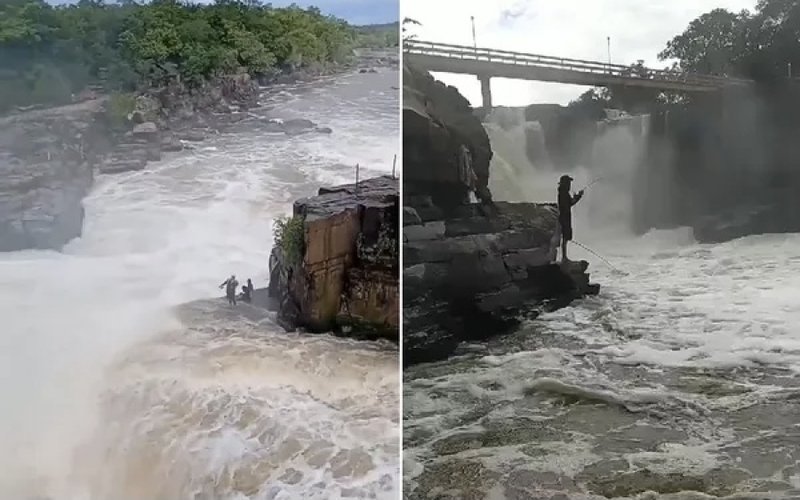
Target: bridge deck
(446,58)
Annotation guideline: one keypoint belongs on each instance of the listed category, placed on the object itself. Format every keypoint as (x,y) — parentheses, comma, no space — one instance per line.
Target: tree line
(379,36)
(762,45)
(48,53)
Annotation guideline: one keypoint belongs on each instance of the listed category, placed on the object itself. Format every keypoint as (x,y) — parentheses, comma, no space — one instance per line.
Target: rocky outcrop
(167,118)
(295,126)
(470,270)
(46,169)
(336,266)
(478,272)
(369,59)
(437,123)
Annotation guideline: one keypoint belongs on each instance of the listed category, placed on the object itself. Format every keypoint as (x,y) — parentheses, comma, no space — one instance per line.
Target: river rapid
(681,380)
(124,377)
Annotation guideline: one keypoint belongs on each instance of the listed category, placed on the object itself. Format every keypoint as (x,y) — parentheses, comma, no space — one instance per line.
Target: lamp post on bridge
(474,43)
(608,42)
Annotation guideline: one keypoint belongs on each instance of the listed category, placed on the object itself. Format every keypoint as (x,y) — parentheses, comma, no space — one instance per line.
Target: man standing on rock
(230,285)
(565,203)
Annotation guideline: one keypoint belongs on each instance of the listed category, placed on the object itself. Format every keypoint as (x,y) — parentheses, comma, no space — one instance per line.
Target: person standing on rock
(565,203)
(230,285)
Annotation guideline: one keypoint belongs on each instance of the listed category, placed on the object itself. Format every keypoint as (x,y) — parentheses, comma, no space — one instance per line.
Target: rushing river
(123,379)
(681,380)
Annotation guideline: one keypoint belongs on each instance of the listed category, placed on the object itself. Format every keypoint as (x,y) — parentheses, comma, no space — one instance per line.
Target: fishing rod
(598,179)
(609,264)
(595,181)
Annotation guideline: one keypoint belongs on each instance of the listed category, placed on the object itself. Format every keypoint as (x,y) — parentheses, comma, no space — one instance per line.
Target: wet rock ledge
(478,271)
(335,263)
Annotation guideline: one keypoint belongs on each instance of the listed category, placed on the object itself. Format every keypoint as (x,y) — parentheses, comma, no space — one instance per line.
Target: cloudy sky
(639,29)
(354,11)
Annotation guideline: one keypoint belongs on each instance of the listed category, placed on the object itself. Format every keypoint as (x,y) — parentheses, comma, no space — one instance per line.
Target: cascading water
(679,381)
(123,380)
(520,169)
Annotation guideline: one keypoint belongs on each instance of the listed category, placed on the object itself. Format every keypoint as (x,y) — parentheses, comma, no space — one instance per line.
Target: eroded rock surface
(46,169)
(478,271)
(437,122)
(347,277)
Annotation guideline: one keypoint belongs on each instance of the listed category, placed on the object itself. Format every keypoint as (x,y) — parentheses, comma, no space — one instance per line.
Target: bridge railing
(524,59)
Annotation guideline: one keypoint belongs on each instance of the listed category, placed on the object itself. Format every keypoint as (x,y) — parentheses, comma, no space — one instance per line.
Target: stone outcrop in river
(335,265)
(470,270)
(46,168)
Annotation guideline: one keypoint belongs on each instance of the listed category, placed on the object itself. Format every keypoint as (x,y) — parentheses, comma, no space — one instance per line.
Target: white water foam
(181,415)
(672,354)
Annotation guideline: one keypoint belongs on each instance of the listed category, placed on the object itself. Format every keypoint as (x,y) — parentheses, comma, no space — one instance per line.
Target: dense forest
(379,35)
(49,53)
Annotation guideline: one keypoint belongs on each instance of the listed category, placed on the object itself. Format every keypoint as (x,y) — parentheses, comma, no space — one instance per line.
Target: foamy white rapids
(680,379)
(123,378)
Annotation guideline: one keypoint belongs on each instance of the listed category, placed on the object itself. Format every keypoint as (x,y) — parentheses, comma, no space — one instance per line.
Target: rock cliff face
(345,276)
(476,273)
(437,120)
(470,271)
(46,168)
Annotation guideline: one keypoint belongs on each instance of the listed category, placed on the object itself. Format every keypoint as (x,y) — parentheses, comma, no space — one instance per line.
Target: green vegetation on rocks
(50,53)
(289,236)
(119,108)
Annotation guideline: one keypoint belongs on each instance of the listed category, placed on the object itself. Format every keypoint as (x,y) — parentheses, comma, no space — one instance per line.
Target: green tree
(47,53)
(711,44)
(406,28)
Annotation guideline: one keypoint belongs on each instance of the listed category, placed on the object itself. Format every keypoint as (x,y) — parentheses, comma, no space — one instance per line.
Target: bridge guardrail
(524,59)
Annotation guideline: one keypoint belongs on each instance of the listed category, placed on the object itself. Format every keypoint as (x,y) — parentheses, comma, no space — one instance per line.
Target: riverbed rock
(477,272)
(192,136)
(46,168)
(297,126)
(146,130)
(345,275)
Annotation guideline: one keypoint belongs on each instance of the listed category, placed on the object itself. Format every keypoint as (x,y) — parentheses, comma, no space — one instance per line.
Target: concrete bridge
(488,63)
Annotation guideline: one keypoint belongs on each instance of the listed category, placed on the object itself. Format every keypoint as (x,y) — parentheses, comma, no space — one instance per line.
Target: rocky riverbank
(49,157)
(335,263)
(470,270)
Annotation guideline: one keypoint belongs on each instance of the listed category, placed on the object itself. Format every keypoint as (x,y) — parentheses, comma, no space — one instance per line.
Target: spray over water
(123,380)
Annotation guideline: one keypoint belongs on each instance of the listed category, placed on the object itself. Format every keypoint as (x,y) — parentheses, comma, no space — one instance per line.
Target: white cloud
(639,29)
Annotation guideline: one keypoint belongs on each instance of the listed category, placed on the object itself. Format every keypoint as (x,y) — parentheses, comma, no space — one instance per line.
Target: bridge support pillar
(486,93)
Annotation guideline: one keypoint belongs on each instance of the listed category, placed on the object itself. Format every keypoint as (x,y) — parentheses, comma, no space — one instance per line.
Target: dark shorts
(566,230)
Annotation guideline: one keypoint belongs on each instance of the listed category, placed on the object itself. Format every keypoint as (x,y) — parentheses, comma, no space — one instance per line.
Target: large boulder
(344,274)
